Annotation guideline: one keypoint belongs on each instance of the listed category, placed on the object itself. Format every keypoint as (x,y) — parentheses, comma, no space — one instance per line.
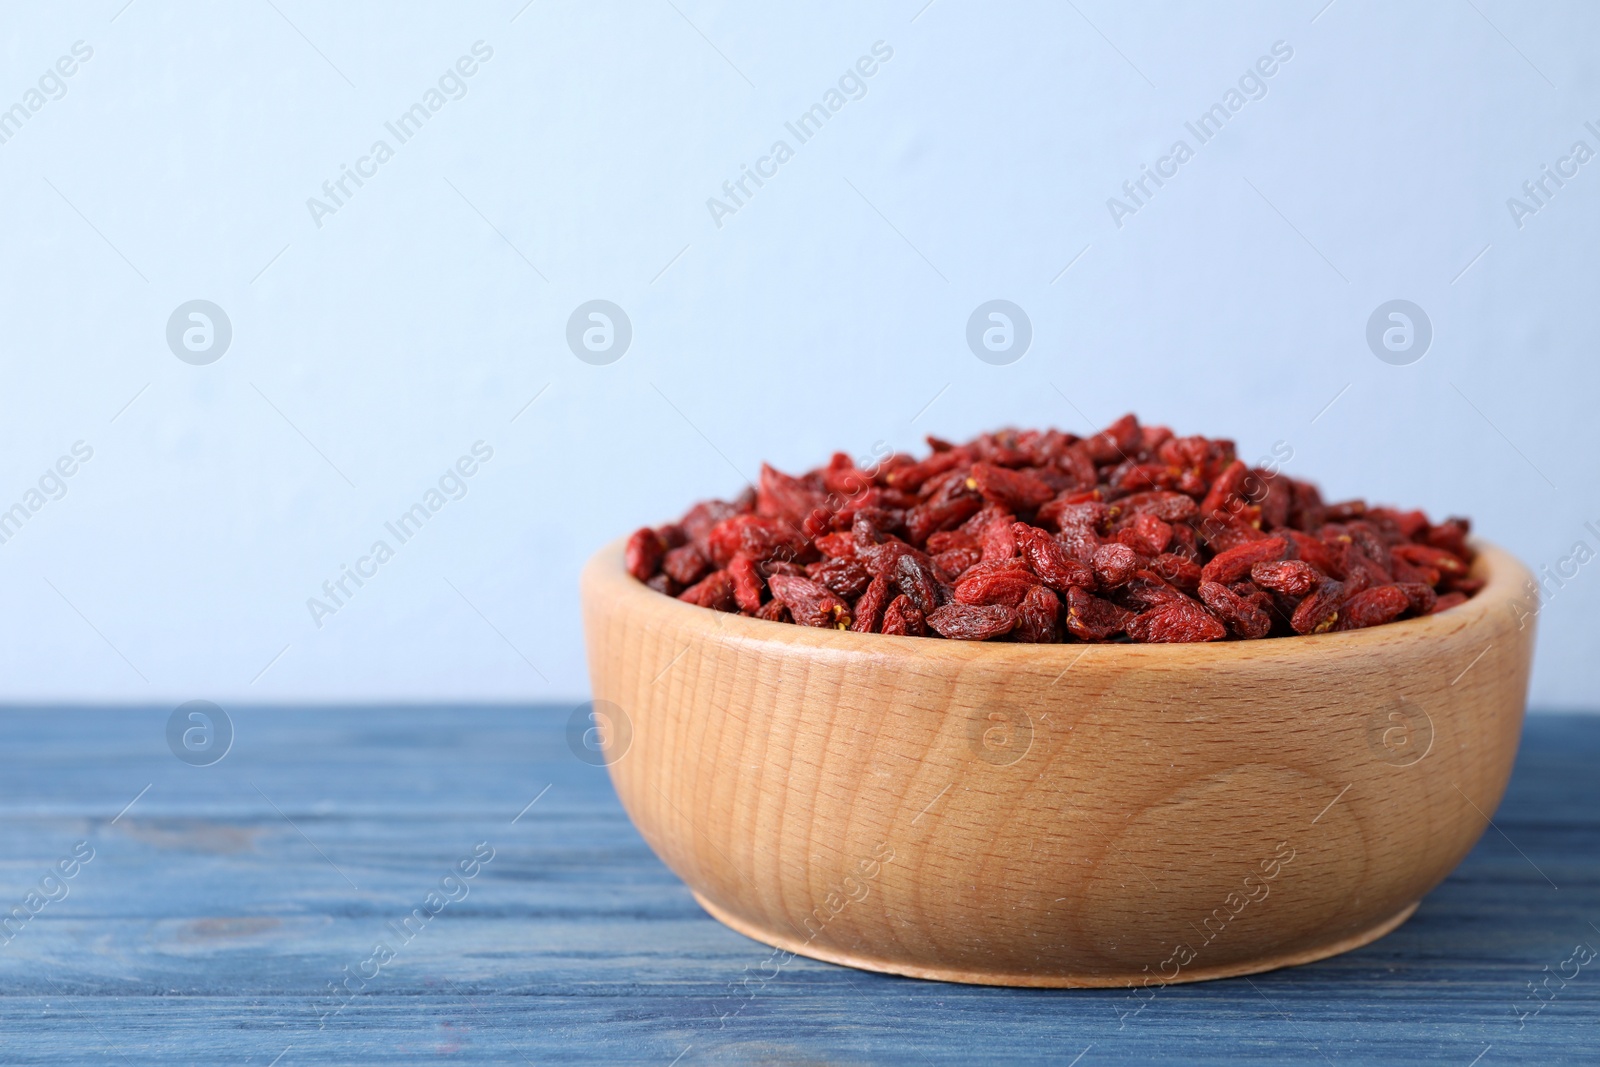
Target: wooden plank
(218,909)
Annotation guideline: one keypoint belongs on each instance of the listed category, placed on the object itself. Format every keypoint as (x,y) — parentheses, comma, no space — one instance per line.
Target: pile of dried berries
(1041,536)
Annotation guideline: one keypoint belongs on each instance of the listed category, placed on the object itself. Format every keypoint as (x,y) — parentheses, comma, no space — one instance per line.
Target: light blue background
(828,313)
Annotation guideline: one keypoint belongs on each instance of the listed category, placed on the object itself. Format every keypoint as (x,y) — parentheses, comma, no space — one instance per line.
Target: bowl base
(1065,980)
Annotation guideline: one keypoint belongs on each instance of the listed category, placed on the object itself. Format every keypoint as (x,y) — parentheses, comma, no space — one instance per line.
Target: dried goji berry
(642,556)
(936,515)
(1224,492)
(956,561)
(1132,477)
(1090,618)
(902,618)
(1166,506)
(686,565)
(1306,511)
(1428,556)
(948,540)
(1450,535)
(1236,562)
(811,603)
(996,583)
(1178,570)
(911,477)
(1319,611)
(747,584)
(845,577)
(999,543)
(868,610)
(1421,598)
(1115,441)
(758,537)
(1048,559)
(1303,546)
(1037,616)
(837,545)
(1146,534)
(1291,577)
(774,611)
(1176,623)
(715,590)
(1011,489)
(1114,564)
(917,581)
(972,622)
(1241,616)
(1220,531)
(1147,589)
(1372,607)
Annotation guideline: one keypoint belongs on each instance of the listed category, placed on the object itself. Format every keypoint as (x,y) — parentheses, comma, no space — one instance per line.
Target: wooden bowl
(1057,815)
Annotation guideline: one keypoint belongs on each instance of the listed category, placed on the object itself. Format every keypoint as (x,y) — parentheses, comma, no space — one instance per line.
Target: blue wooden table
(452,884)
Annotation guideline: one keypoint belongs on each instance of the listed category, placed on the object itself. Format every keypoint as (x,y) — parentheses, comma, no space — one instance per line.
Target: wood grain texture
(207,927)
(1059,815)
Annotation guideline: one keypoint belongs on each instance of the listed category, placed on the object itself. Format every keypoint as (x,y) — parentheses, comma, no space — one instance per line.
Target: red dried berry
(1166,506)
(1428,556)
(1146,589)
(999,543)
(759,538)
(868,610)
(1291,577)
(911,477)
(642,556)
(1146,535)
(1048,559)
(1177,570)
(1220,534)
(972,622)
(1319,612)
(1037,617)
(1114,564)
(1176,623)
(916,580)
(956,562)
(1224,492)
(1013,490)
(837,545)
(747,585)
(1090,618)
(1372,607)
(847,578)
(1236,562)
(715,591)
(1421,598)
(1002,582)
(811,603)
(902,618)
(1450,535)
(686,565)
(950,540)
(1242,616)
